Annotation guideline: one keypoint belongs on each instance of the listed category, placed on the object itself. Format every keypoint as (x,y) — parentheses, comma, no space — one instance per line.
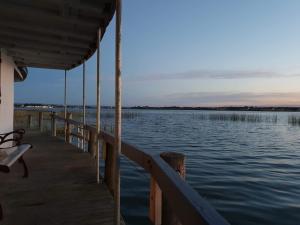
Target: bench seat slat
(13,154)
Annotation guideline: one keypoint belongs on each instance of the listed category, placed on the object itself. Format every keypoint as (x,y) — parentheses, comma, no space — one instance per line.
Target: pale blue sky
(193,52)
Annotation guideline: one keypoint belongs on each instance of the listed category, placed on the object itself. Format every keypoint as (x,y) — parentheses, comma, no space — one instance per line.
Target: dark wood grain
(61,188)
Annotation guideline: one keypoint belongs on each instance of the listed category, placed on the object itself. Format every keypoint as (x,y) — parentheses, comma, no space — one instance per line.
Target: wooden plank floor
(61,188)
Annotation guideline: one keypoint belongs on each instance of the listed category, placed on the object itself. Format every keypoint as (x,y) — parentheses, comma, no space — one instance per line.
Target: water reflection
(248,169)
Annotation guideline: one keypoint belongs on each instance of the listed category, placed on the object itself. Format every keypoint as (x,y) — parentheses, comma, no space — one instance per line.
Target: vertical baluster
(41,121)
(68,128)
(29,121)
(53,124)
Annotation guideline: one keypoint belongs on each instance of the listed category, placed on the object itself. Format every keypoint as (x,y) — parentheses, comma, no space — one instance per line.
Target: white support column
(65,96)
(7,66)
(65,104)
(98,127)
(118,112)
(0,77)
(83,104)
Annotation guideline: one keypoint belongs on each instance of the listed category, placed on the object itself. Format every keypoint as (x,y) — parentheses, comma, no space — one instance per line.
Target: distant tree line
(226,108)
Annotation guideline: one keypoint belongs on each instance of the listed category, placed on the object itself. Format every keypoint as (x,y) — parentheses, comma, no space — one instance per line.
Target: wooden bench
(8,156)
(12,150)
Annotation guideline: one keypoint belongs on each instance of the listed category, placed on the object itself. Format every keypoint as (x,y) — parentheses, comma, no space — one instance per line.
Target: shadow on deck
(61,187)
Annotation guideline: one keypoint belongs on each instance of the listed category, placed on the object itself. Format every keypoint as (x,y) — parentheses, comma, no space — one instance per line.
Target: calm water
(249,171)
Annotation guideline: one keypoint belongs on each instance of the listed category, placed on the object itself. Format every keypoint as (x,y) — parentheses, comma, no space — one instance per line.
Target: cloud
(229,99)
(213,74)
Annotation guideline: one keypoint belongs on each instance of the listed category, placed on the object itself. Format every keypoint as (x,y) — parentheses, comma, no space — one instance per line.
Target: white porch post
(118,111)
(98,127)
(7,67)
(65,104)
(83,105)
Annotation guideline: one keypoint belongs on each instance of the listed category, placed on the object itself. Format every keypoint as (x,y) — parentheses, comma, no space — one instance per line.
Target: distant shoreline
(221,108)
(226,108)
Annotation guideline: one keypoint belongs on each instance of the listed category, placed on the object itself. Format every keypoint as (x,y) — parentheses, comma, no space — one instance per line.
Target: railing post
(68,128)
(53,124)
(160,211)
(92,145)
(155,209)
(78,139)
(41,121)
(109,166)
(29,121)
(177,162)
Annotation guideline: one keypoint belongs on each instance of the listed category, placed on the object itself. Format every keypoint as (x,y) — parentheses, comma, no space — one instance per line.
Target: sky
(189,53)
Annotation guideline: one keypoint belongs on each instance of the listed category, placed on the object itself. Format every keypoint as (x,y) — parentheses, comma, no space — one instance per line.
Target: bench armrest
(18,131)
(16,139)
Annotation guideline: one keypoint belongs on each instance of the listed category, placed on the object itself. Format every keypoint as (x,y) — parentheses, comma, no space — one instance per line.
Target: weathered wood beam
(46,66)
(36,15)
(28,37)
(58,64)
(95,8)
(79,33)
(40,48)
(91,8)
(15,37)
(43,55)
(43,60)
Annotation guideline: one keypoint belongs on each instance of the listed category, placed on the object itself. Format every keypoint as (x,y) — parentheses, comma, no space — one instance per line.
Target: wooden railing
(187,206)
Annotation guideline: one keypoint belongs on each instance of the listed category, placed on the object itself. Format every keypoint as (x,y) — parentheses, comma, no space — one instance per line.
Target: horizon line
(165,106)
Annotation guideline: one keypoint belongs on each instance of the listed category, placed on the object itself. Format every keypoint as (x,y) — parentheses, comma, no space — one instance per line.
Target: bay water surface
(246,164)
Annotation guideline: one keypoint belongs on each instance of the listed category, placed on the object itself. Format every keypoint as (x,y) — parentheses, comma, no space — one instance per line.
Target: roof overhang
(54,34)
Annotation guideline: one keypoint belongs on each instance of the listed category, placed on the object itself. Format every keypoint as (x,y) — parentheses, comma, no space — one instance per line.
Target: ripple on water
(248,171)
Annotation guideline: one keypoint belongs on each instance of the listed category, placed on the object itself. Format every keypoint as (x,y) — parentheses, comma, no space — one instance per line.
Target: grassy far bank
(219,108)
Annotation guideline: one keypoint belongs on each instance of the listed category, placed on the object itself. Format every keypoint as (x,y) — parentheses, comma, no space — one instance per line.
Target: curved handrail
(187,204)
(76,123)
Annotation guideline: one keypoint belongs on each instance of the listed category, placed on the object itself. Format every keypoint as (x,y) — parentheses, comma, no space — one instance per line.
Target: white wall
(7,93)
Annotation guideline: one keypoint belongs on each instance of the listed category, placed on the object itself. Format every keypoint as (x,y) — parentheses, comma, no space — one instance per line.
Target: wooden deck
(61,188)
